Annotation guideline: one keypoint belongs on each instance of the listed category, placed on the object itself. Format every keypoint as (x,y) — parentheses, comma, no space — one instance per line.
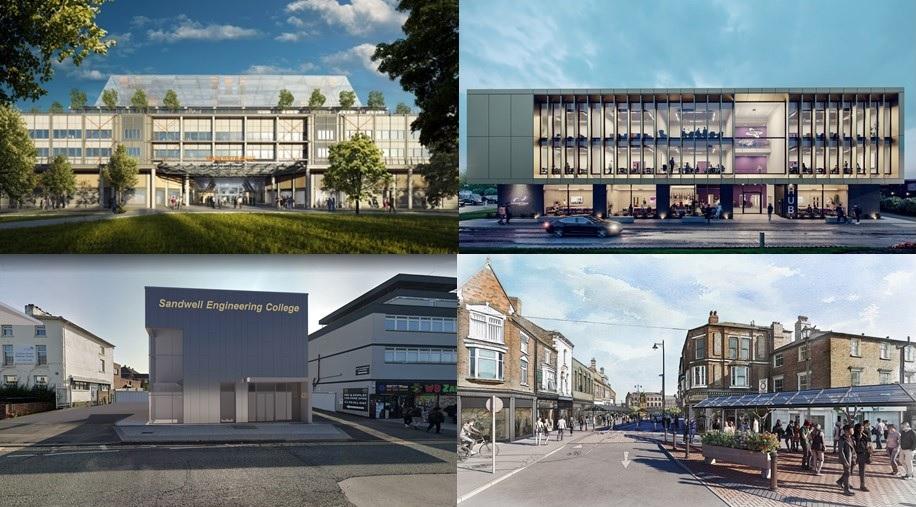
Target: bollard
(762,239)
(773,469)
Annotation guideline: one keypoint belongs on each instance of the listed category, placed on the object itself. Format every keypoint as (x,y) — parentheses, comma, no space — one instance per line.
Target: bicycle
(482,448)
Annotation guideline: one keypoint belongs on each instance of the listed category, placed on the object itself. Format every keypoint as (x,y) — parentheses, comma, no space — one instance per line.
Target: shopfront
(391,398)
(547,409)
(513,422)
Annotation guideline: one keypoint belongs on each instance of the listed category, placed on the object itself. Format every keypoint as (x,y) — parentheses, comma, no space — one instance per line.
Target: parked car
(586,225)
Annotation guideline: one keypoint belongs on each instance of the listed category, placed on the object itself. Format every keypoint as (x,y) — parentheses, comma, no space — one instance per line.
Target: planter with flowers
(742,448)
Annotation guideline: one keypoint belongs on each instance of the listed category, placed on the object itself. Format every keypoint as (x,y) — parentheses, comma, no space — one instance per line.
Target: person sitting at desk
(835,170)
(809,211)
(688,169)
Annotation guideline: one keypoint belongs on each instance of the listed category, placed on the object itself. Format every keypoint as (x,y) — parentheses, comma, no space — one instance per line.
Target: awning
(232,169)
(880,395)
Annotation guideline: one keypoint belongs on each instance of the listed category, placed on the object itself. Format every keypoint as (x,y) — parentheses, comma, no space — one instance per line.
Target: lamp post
(655,347)
(638,388)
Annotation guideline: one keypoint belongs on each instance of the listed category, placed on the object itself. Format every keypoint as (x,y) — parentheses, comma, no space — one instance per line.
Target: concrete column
(185,187)
(511,418)
(663,199)
(308,188)
(152,188)
(599,200)
(273,185)
(293,186)
(101,189)
(410,188)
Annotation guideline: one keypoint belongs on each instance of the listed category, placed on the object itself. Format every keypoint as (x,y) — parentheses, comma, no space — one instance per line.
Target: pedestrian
(892,444)
(857,212)
(907,446)
(817,449)
(581,423)
(796,436)
(847,455)
(407,413)
(561,428)
(837,434)
(770,212)
(435,419)
(861,440)
(779,431)
(803,435)
(788,436)
(880,429)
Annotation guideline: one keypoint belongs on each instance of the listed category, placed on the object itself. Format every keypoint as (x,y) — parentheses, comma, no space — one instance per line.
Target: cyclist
(469,434)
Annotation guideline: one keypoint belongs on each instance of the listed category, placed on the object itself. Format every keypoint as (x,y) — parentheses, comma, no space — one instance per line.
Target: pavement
(375,467)
(590,468)
(743,231)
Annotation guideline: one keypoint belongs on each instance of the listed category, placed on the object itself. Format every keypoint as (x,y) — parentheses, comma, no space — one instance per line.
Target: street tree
(77,99)
(441,175)
(402,108)
(56,107)
(347,98)
(426,63)
(59,182)
(110,98)
(286,99)
(171,100)
(317,98)
(356,168)
(120,173)
(139,100)
(37,34)
(376,99)
(17,155)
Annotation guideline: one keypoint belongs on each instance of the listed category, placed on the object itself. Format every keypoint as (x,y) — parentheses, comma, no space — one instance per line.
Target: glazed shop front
(513,422)
(391,398)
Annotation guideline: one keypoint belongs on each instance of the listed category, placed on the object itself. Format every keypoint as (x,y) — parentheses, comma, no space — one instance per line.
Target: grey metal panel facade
(231,345)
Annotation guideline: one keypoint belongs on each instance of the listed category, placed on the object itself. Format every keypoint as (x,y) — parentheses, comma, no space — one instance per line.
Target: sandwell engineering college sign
(227,306)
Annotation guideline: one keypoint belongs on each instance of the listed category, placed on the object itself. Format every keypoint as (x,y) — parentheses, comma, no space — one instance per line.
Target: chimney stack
(800,326)
(713,317)
(602,370)
(517,304)
(30,309)
(594,366)
(780,337)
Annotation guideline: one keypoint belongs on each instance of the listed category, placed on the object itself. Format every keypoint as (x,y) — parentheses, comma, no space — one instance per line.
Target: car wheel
(602,233)
(558,233)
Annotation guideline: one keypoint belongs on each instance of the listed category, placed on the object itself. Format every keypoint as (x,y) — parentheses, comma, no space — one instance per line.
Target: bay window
(485,363)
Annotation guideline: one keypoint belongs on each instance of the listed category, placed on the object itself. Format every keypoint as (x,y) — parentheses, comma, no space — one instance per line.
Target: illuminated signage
(227,306)
(356,399)
(415,388)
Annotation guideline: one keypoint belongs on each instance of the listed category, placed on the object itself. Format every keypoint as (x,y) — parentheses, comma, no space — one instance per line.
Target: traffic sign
(494,401)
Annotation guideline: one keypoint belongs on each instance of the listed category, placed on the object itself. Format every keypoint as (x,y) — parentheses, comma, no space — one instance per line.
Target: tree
(58,181)
(376,99)
(441,175)
(40,33)
(347,98)
(110,98)
(77,99)
(286,99)
(171,99)
(426,63)
(355,168)
(317,98)
(17,155)
(402,108)
(120,173)
(56,107)
(139,100)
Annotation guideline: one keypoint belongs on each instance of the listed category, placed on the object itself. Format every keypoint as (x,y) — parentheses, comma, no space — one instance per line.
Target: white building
(564,349)
(43,349)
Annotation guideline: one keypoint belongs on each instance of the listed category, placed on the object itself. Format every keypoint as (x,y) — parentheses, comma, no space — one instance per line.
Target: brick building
(126,377)
(545,367)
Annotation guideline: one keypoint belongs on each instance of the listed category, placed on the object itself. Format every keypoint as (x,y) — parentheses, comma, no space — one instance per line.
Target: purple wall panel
(750,165)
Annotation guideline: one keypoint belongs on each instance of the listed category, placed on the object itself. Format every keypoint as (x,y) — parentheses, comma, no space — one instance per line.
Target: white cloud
(140,21)
(829,300)
(187,29)
(357,17)
(302,30)
(361,54)
(894,282)
(90,74)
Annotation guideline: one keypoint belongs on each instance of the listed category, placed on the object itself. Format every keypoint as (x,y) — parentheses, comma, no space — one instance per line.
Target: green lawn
(17,217)
(481,213)
(292,233)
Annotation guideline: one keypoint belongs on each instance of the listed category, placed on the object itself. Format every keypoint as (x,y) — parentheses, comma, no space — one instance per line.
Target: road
(744,232)
(592,471)
(384,463)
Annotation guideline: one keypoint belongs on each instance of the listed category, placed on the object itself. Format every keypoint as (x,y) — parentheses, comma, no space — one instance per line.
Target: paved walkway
(240,432)
(447,427)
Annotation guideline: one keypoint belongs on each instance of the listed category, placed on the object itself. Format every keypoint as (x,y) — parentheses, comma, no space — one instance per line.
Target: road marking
(19,455)
(489,485)
(78,452)
(431,451)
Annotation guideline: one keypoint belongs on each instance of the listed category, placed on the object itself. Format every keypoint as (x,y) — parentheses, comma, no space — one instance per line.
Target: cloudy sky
(239,37)
(104,294)
(633,301)
(699,43)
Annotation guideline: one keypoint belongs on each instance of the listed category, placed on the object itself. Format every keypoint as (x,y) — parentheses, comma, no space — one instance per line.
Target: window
(485,363)
(102,370)
(67,152)
(7,330)
(102,351)
(322,152)
(885,351)
(777,360)
(777,384)
(733,347)
(854,346)
(131,134)
(325,135)
(41,354)
(699,376)
(802,381)
(197,152)
(803,352)
(414,323)
(40,331)
(855,376)
(419,355)
(700,347)
(7,355)
(884,377)
(910,377)
(524,372)
(67,134)
(38,134)
(908,353)
(166,136)
(524,343)
(165,151)
(745,348)
(739,376)
(41,380)
(133,152)
(10,380)
(98,134)
(98,152)
(486,327)
(79,385)
(43,152)
(761,353)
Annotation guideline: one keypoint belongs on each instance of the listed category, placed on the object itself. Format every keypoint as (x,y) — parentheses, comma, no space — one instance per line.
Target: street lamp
(655,347)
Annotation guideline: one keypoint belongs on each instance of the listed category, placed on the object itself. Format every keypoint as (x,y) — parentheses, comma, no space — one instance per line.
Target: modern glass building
(647,152)
(227,141)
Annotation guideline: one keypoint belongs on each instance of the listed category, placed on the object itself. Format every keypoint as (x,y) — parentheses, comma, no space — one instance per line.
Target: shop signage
(791,201)
(762,386)
(414,388)
(362,370)
(227,306)
(24,354)
(356,399)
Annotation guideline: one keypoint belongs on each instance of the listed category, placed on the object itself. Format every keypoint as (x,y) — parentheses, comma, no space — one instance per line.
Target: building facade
(48,350)
(226,356)
(564,348)
(655,152)
(229,141)
(390,349)
(128,378)
(583,390)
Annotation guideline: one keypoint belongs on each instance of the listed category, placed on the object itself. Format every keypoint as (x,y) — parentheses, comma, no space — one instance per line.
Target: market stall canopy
(881,395)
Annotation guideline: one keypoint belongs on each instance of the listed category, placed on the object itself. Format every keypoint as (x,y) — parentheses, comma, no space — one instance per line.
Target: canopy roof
(232,169)
(853,396)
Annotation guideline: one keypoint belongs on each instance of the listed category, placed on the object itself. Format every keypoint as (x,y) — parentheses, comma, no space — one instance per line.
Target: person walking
(847,455)
(861,440)
(857,212)
(880,430)
(581,423)
(770,212)
(779,431)
(407,413)
(435,418)
(817,449)
(788,436)
(803,435)
(837,434)
(892,445)
(907,446)
(561,428)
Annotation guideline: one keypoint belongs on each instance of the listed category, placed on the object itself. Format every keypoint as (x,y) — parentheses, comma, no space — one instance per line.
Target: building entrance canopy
(232,169)
(883,395)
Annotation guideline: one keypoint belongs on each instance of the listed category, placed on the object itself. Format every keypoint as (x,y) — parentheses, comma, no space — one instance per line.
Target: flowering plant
(756,442)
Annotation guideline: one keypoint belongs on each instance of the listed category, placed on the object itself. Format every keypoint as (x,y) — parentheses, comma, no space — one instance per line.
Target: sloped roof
(871,396)
(197,90)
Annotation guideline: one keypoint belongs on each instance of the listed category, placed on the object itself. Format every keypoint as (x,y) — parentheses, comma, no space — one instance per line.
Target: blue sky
(239,37)
(104,294)
(699,43)
(869,294)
